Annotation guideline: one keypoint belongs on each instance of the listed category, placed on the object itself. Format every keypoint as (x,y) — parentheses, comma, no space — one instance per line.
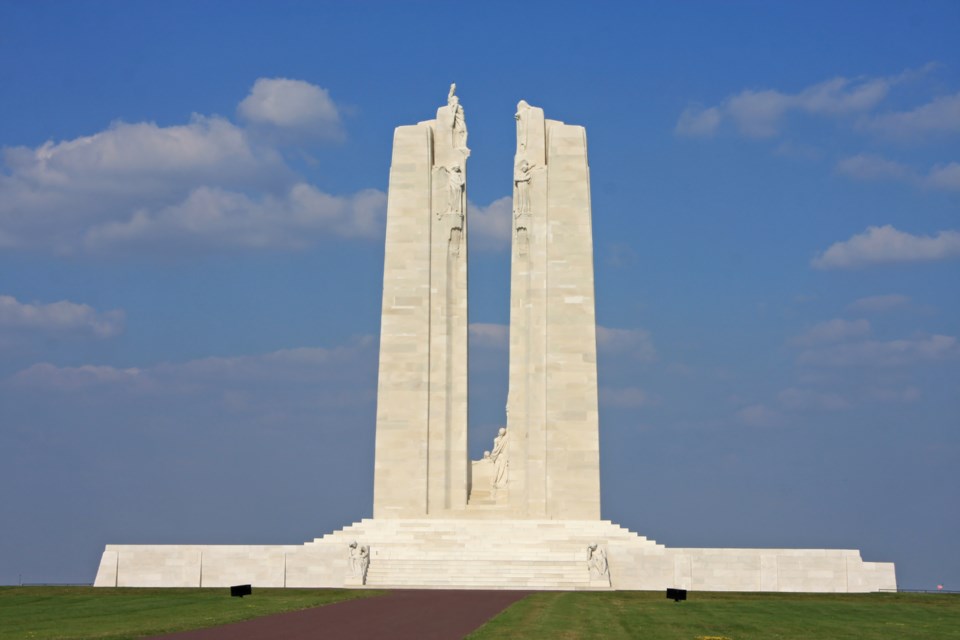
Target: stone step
(475,554)
(490,587)
(428,578)
(483,537)
(509,568)
(492,580)
(495,534)
(481,546)
(487,531)
(399,575)
(476,566)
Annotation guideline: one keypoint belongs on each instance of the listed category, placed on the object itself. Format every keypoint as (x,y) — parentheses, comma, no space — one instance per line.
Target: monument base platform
(492,554)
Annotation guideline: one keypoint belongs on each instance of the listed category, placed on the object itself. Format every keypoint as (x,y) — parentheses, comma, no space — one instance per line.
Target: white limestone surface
(463,553)
(421,463)
(552,406)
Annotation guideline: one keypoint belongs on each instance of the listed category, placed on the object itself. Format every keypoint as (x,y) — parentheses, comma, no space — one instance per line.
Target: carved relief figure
(521,182)
(597,562)
(455,184)
(365,563)
(359,561)
(500,460)
(522,175)
(459,122)
(453,210)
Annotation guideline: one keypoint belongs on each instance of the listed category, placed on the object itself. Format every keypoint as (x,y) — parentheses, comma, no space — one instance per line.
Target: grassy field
(728,616)
(85,612)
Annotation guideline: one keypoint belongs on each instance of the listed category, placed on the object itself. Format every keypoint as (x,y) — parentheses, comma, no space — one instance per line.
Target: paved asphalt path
(423,614)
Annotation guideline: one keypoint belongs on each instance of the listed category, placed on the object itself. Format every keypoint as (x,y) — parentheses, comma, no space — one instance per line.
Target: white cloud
(312,391)
(872,353)
(946,176)
(807,399)
(292,106)
(879,303)
(940,116)
(208,183)
(696,122)
(139,162)
(834,330)
(489,335)
(636,342)
(873,167)
(491,227)
(624,397)
(215,218)
(59,317)
(281,367)
(758,113)
(47,376)
(879,245)
(283,364)
(842,95)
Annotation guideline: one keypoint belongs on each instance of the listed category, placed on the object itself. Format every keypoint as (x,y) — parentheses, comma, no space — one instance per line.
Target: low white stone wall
(783,570)
(220,566)
(492,554)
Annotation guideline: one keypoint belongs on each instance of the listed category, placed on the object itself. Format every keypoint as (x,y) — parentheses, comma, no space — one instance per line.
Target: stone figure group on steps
(359,561)
(597,563)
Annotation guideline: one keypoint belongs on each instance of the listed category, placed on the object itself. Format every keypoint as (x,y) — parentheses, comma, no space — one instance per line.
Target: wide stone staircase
(481,554)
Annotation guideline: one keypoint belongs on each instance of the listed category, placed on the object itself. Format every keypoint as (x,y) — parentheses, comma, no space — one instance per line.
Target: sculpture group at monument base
(492,554)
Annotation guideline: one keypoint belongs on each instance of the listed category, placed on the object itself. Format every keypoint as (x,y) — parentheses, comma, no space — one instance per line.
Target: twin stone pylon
(527,516)
(548,466)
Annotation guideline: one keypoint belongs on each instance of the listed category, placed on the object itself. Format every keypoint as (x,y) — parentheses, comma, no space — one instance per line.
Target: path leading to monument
(423,614)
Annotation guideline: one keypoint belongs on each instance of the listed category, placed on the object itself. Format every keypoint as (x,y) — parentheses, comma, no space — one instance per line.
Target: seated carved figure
(597,562)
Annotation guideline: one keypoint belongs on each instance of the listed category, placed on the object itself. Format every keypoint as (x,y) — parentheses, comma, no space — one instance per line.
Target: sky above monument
(192,202)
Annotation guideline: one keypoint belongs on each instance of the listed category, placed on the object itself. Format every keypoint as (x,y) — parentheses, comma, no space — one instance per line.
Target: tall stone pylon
(421,461)
(552,414)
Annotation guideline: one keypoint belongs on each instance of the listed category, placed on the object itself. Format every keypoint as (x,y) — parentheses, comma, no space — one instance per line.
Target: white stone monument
(526,515)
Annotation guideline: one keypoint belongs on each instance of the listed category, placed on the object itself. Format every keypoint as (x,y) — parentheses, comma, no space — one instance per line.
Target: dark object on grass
(240,590)
(676,594)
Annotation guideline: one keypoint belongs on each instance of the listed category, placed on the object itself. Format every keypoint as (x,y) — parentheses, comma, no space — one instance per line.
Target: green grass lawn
(85,612)
(733,616)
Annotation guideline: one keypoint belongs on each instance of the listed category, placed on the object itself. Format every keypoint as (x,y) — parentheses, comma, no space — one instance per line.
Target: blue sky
(191,224)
